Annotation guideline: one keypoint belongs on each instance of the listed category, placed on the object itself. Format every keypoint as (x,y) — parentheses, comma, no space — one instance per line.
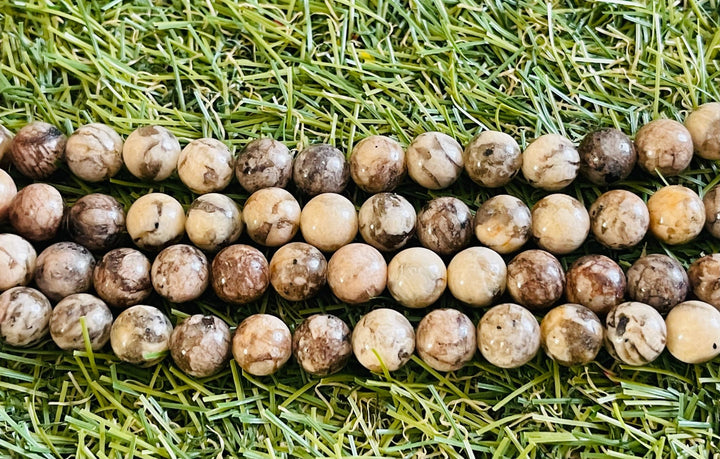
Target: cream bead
(151,153)
(434,160)
(94,152)
(550,162)
(560,223)
(213,222)
(677,214)
(329,221)
(272,216)
(416,277)
(476,276)
(206,166)
(383,333)
(693,332)
(155,221)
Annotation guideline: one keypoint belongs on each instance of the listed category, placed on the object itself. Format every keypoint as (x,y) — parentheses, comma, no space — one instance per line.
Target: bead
(262,344)
(94,152)
(155,221)
(64,268)
(445,339)
(535,279)
(677,214)
(434,160)
(18,259)
(36,212)
(37,149)
(508,335)
(492,159)
(571,334)
(151,153)
(664,147)
(636,333)
(444,225)
(693,332)
(213,222)
(383,333)
(96,221)
(264,163)
(66,329)
(180,273)
(416,277)
(550,162)
(200,345)
(122,277)
(298,271)
(206,166)
(357,273)
(377,164)
(141,335)
(704,277)
(503,223)
(606,156)
(321,344)
(704,127)
(329,221)
(596,282)
(321,168)
(24,316)
(240,274)
(8,190)
(387,221)
(6,139)
(560,223)
(711,203)
(619,219)
(476,276)
(657,280)
(271,216)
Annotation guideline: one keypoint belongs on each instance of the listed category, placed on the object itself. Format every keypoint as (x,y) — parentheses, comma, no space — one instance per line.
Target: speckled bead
(445,339)
(596,282)
(141,335)
(508,336)
(36,212)
(550,162)
(151,153)
(37,149)
(321,168)
(264,163)
(96,221)
(619,219)
(180,273)
(711,203)
(8,190)
(6,138)
(387,221)
(635,333)
(445,225)
(492,159)
(329,221)
(155,221)
(321,344)
(272,217)
(434,160)
(383,333)
(657,280)
(24,316)
(677,214)
(704,126)
(535,279)
(262,344)
(704,276)
(377,164)
(94,152)
(503,223)
(476,276)
(693,332)
(64,268)
(606,156)
(298,271)
(560,223)
(122,277)
(213,222)
(417,277)
(664,146)
(357,273)
(240,274)
(66,329)
(200,345)
(18,258)
(571,334)
(206,165)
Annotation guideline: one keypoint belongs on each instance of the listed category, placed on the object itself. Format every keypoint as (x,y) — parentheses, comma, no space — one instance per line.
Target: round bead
(298,271)
(704,127)
(96,221)
(571,334)
(321,168)
(213,222)
(383,333)
(122,277)
(704,276)
(560,223)
(264,163)
(550,162)
(6,139)
(94,152)
(8,190)
(606,156)
(434,160)
(155,221)
(240,274)
(200,345)
(205,166)
(63,269)
(476,276)
(693,332)
(272,217)
(492,159)
(417,277)
(24,316)
(664,147)
(657,280)
(141,335)
(387,221)
(37,149)
(508,336)
(18,258)
(65,326)
(36,212)
(180,273)
(503,223)
(377,164)
(596,282)
(329,221)
(357,273)
(151,153)
(636,333)
(711,202)
(535,279)
(446,339)
(677,214)
(619,219)
(262,344)
(321,344)
(445,226)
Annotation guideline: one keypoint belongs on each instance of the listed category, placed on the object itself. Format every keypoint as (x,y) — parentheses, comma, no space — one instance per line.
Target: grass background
(337,71)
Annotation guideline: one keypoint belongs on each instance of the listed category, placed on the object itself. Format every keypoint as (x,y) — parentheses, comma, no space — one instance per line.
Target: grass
(337,71)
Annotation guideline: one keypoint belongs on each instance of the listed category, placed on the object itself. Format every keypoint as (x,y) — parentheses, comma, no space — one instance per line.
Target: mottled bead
(141,335)
(606,156)
(657,280)
(560,223)
(476,276)
(329,221)
(65,326)
(445,225)
(416,277)
(298,271)
(122,277)
(492,159)
(677,214)
(664,147)
(711,203)
(357,273)
(264,163)
(571,334)
(64,268)
(619,219)
(6,138)
(94,152)
(18,258)
(24,316)
(383,333)
(693,332)
(36,212)
(704,126)
(387,221)
(37,150)
(508,335)
(8,190)
(271,216)
(200,345)
(377,164)
(262,344)
(213,222)
(180,273)
(635,333)
(434,160)
(321,168)
(445,339)
(321,344)
(503,223)
(205,166)
(96,221)
(155,221)
(704,277)
(550,162)
(151,153)
(240,274)
(535,279)
(596,282)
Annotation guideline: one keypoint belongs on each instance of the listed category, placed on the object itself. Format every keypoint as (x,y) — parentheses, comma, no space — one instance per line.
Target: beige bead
(6,139)
(619,219)
(151,153)
(492,159)
(262,344)
(693,332)
(383,333)
(357,273)
(298,271)
(64,268)
(704,276)
(677,214)
(636,333)
(37,150)
(434,160)
(704,127)
(377,164)
(65,326)
(155,221)
(272,216)
(321,344)
(535,279)
(571,334)
(94,152)
(36,212)
(596,282)
(560,223)
(664,146)
(240,274)
(213,222)
(180,273)
(416,277)
(122,277)
(141,335)
(18,258)
(508,335)
(329,221)
(206,166)
(445,339)
(8,190)
(503,223)
(476,276)
(24,316)
(550,162)
(200,345)
(387,221)
(264,163)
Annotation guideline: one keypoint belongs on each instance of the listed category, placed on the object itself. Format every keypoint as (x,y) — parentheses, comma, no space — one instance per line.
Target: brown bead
(240,274)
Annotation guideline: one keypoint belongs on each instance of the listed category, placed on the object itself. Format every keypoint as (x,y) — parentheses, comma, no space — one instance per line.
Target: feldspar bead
(571,334)
(122,277)
(387,221)
(141,335)
(180,273)
(155,221)
(657,280)
(151,153)
(434,160)
(329,221)
(550,162)
(560,223)
(65,326)
(383,333)
(677,214)
(492,159)
(94,152)
(704,127)
(503,223)
(200,345)
(240,274)
(24,316)
(619,219)
(6,139)
(264,163)
(636,333)
(357,273)
(606,156)
(321,344)
(704,276)
(37,149)
(664,147)
(535,279)
(416,277)
(36,212)
(8,190)
(508,335)
(298,271)
(321,168)
(711,203)
(18,258)
(272,216)
(206,166)
(476,276)
(96,221)
(64,268)
(445,339)
(693,332)
(213,222)
(377,164)
(596,282)
(262,344)
(444,225)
